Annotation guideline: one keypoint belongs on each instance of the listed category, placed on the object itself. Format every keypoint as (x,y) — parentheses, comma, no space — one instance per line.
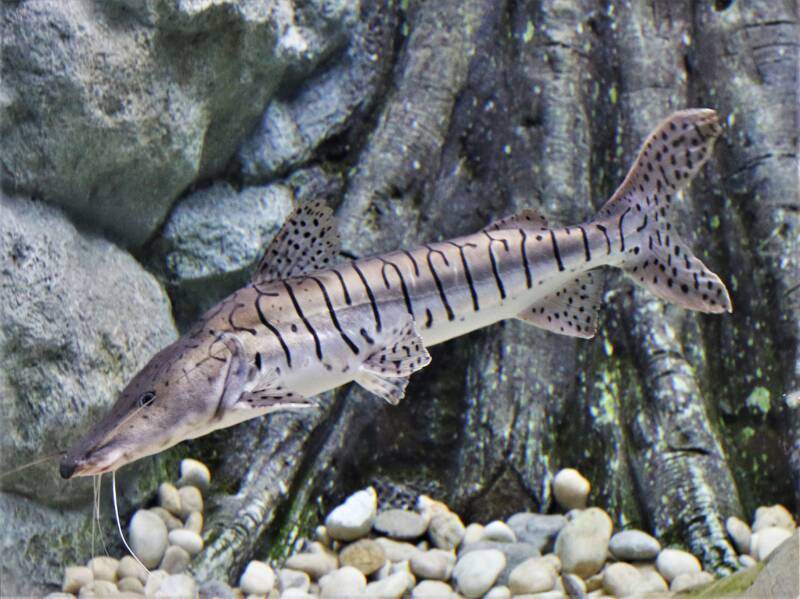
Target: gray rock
(740,533)
(258,578)
(689,581)
(176,560)
(162,108)
(195,473)
(534,575)
(539,530)
(344,582)
(773,515)
(148,537)
(673,562)
(190,541)
(63,352)
(365,555)
(582,545)
(634,545)
(476,572)
(571,489)
(354,517)
(621,579)
(436,564)
(779,577)
(400,524)
(446,530)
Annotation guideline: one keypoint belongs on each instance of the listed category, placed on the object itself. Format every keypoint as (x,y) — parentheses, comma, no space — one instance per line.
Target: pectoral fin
(571,310)
(397,355)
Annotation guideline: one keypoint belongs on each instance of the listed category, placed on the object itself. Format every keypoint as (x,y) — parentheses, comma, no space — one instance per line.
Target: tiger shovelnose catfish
(309,323)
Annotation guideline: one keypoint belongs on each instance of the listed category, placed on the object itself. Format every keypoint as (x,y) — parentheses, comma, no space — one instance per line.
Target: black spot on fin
(526,219)
(308,241)
(398,353)
(571,310)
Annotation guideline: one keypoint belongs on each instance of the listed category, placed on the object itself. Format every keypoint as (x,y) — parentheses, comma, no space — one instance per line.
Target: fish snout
(67,468)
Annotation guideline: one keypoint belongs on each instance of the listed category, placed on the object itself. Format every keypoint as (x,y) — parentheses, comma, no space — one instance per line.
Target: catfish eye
(145,399)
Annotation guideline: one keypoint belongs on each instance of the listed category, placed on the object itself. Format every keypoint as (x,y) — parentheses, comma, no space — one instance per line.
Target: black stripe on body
(371,296)
(556,253)
(498,281)
(621,234)
(468,274)
(403,287)
(235,327)
(586,251)
(275,332)
(643,225)
(296,304)
(353,347)
(439,286)
(605,234)
(414,262)
(524,252)
(347,299)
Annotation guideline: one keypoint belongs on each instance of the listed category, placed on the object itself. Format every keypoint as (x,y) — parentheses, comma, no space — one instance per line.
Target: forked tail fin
(641,211)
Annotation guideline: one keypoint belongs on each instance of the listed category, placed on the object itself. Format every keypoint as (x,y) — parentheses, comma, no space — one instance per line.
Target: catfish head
(180,394)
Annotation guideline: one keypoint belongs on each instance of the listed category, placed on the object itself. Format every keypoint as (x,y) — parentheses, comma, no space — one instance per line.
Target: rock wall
(184,132)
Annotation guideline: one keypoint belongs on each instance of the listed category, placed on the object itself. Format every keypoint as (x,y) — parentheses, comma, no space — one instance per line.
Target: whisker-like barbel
(308,322)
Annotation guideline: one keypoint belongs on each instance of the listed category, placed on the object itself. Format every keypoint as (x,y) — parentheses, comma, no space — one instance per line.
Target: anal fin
(397,354)
(571,310)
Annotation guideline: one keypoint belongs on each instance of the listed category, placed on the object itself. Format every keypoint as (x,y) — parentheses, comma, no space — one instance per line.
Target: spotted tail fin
(641,212)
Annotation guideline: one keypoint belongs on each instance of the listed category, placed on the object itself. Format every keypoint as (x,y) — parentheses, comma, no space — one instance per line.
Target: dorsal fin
(308,241)
(527,218)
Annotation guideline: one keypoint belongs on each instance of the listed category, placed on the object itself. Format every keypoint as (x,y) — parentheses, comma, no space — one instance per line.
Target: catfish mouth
(97,461)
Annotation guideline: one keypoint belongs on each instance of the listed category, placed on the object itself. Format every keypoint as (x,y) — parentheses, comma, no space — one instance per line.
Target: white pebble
(129,584)
(316,565)
(148,537)
(740,534)
(257,579)
(534,575)
(501,592)
(685,582)
(498,531)
(297,594)
(292,579)
(582,545)
(194,522)
(476,572)
(130,568)
(673,562)
(773,516)
(169,498)
(446,530)
(433,589)
(472,534)
(154,581)
(176,560)
(365,555)
(104,568)
(652,581)
(344,582)
(171,521)
(747,561)
(194,473)
(191,500)
(435,564)
(190,541)
(768,540)
(98,588)
(393,586)
(621,579)
(76,577)
(177,585)
(397,551)
(353,519)
(401,524)
(571,489)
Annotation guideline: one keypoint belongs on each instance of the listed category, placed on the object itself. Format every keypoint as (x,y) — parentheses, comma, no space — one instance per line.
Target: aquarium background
(151,148)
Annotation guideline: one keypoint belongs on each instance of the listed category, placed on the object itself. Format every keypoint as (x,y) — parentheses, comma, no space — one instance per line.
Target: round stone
(476,572)
(534,575)
(148,537)
(571,489)
(194,473)
(176,560)
(292,579)
(154,581)
(190,541)
(501,592)
(104,568)
(747,561)
(473,533)
(129,584)
(436,564)
(76,577)
(573,585)
(176,585)
(98,588)
(673,562)
(433,589)
(191,500)
(767,540)
(316,565)
(686,582)
(257,579)
(344,582)
(400,524)
(194,522)
(582,545)
(353,519)
(169,498)
(739,533)
(393,586)
(621,579)
(171,521)
(365,555)
(498,531)
(130,568)
(634,545)
(445,530)
(652,581)
(397,551)
(539,530)
(773,516)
